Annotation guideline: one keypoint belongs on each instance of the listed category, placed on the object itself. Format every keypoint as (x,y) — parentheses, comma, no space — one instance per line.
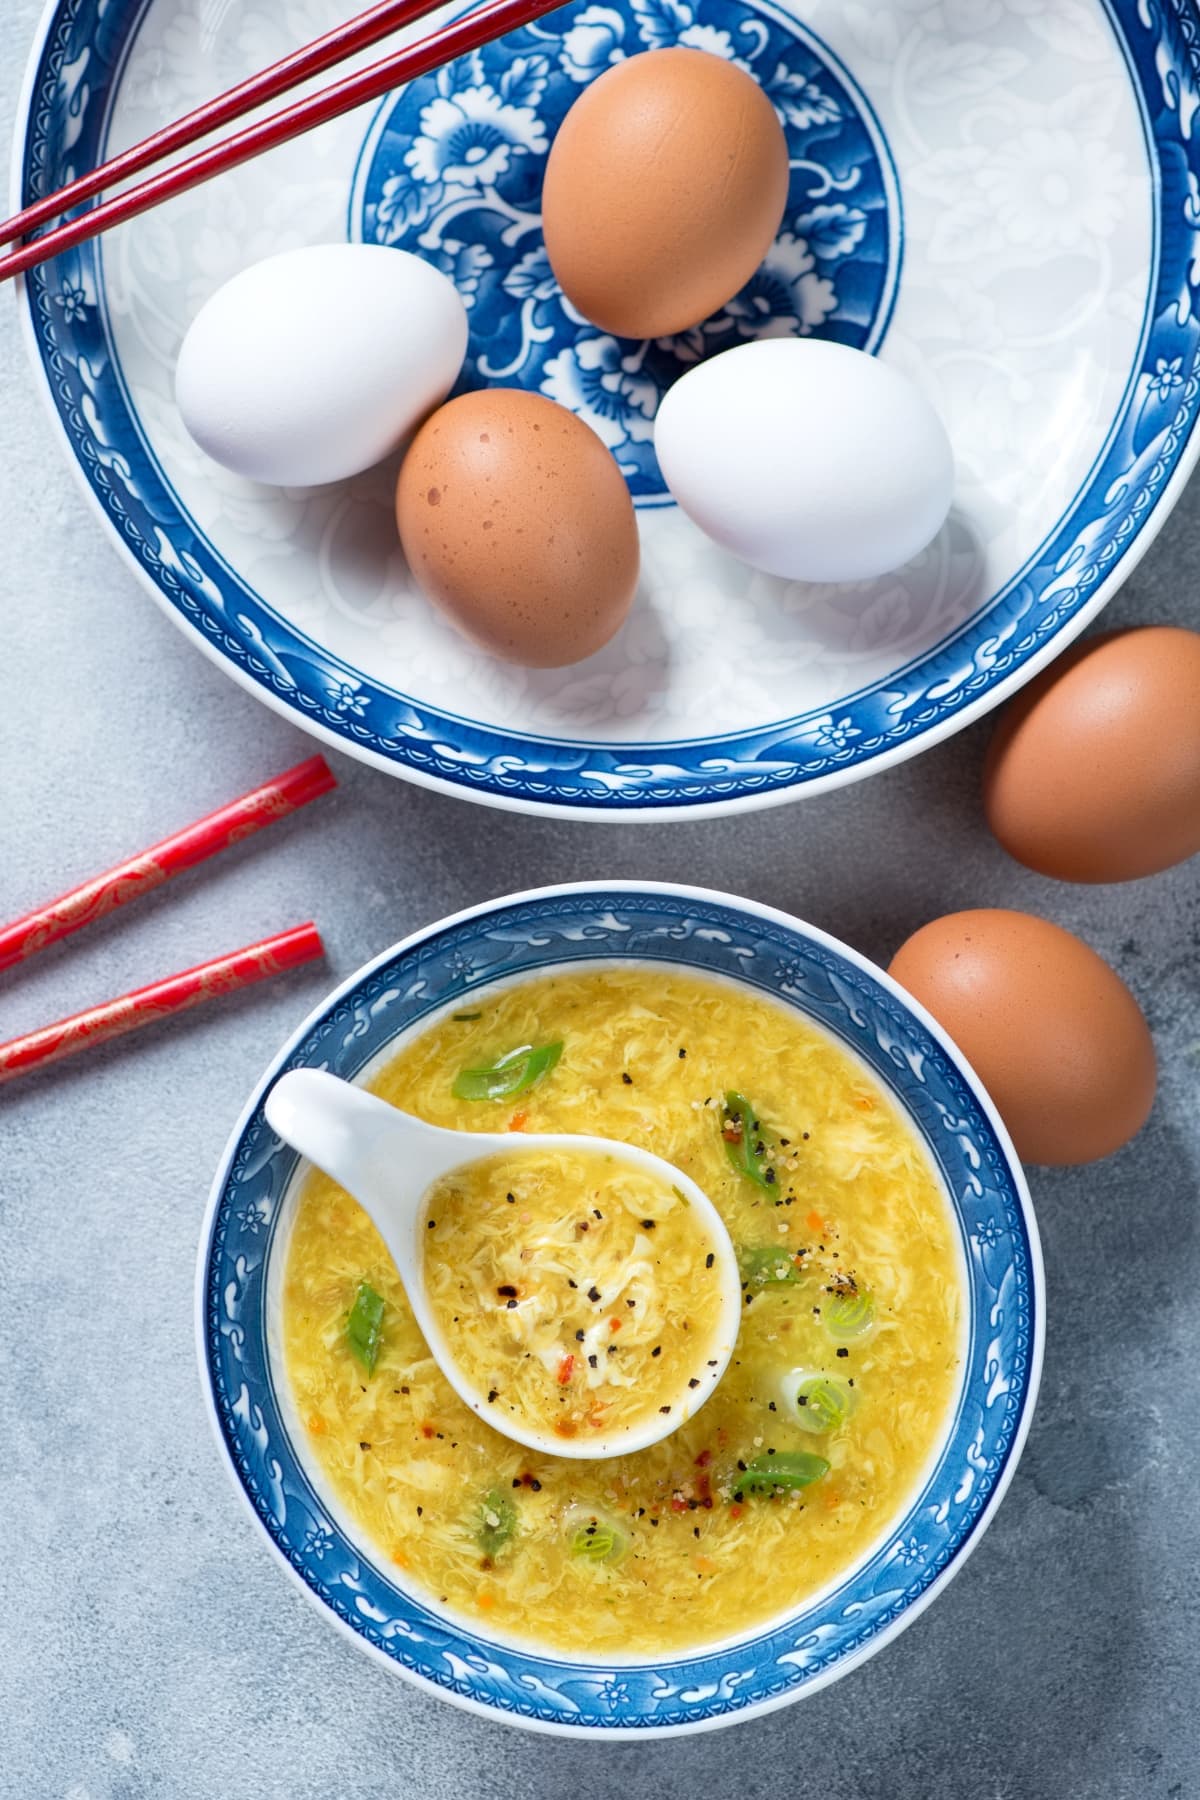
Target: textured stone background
(148,1646)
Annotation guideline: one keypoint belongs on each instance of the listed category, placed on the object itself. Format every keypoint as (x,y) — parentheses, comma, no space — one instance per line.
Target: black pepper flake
(511,1198)
(631,1303)
(712,1362)
(750,1298)
(682,1054)
(695,1531)
(571,1283)
(804,1135)
(420,1511)
(657,1351)
(583,1225)
(801,1399)
(404,1390)
(654,1522)
(647,1224)
(785,1142)
(592,1361)
(626,1078)
(709,1260)
(664,1409)
(771,1406)
(511,1305)
(850,1381)
(741,1465)
(593,1294)
(363,1446)
(843,1351)
(536,1486)
(517,1482)
(693,1382)
(596,1213)
(507,1290)
(612,1350)
(769,1177)
(493,1394)
(432,1223)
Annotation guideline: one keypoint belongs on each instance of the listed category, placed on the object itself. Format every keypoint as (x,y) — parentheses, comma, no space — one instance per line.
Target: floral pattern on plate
(453,172)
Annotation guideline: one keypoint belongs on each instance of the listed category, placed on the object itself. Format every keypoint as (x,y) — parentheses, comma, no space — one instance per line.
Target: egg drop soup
(847,1361)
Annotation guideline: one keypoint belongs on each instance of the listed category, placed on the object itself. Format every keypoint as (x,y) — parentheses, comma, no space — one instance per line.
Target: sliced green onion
(743,1140)
(514,1073)
(497,1522)
(599,1541)
(364,1326)
(847,1316)
(787,1469)
(465,1018)
(817,1403)
(765,1265)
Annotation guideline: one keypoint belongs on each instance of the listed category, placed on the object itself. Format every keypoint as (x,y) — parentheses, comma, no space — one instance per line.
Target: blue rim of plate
(1149,451)
(765,950)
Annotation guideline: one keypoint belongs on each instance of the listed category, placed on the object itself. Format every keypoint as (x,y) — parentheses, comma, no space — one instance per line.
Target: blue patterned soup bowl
(1002,199)
(355,1585)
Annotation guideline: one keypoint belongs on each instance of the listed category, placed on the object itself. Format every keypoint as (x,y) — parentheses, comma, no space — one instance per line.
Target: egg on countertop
(312,365)
(1093,773)
(664,189)
(518,524)
(1052,1031)
(806,459)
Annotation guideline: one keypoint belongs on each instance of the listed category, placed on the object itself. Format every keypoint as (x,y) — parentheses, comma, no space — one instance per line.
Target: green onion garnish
(743,1139)
(818,1403)
(599,1541)
(465,1018)
(788,1469)
(511,1074)
(364,1326)
(497,1522)
(848,1315)
(764,1265)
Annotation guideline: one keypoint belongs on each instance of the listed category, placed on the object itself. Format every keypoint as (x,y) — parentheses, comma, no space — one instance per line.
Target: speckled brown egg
(663,192)
(1053,1033)
(1094,770)
(517,522)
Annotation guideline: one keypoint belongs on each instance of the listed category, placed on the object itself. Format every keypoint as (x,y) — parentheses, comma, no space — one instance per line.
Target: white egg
(806,459)
(316,363)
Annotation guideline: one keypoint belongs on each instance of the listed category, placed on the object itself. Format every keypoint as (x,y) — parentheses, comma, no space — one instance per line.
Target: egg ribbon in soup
(835,1399)
(579,1294)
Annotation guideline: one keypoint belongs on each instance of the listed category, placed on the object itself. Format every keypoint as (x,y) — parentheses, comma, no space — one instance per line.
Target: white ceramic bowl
(996,198)
(241,1255)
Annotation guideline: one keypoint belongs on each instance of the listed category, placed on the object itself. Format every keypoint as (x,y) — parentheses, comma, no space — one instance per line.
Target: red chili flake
(735,1511)
(614,1324)
(428,1431)
(564,1370)
(678,1503)
(704,1458)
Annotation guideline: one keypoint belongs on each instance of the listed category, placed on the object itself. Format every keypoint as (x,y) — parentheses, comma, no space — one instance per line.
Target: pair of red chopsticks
(491,21)
(138,875)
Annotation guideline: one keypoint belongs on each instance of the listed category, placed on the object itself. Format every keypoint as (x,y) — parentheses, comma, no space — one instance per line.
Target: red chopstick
(161,1000)
(313,59)
(490,21)
(139,874)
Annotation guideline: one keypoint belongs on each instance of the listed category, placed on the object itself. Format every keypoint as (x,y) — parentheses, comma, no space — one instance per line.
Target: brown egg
(1094,771)
(1053,1033)
(664,190)
(517,522)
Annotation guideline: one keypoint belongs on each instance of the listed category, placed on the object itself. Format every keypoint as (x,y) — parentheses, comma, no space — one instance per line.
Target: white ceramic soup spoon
(389,1161)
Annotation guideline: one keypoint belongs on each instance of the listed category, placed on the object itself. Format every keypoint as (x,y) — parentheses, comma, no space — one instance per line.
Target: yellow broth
(680,1544)
(579,1294)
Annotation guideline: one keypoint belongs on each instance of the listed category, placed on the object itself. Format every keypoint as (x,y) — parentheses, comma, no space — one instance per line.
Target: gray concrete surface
(148,1647)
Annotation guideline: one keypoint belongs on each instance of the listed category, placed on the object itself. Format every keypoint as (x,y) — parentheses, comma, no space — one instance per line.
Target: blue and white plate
(239,1281)
(999,196)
